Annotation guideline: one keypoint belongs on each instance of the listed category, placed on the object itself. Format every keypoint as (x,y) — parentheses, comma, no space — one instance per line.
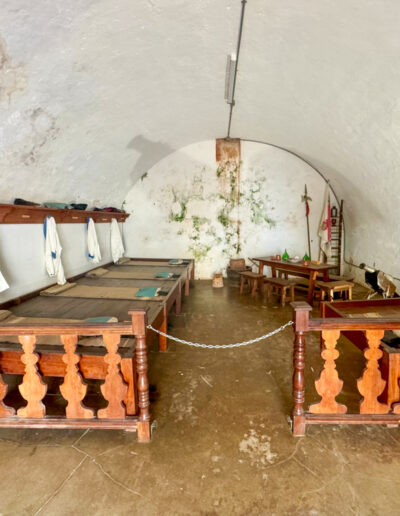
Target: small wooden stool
(253,280)
(282,285)
(330,287)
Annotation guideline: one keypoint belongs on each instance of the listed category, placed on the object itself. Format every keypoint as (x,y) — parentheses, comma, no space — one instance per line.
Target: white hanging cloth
(3,283)
(93,244)
(324,230)
(53,251)
(117,247)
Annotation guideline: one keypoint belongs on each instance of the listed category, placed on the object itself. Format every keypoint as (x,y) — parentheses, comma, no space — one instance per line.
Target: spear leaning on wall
(305,198)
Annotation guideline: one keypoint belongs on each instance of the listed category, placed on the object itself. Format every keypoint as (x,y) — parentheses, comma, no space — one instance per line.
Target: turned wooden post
(301,313)
(139,323)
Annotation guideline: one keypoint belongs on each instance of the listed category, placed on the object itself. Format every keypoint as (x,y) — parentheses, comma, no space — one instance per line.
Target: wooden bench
(254,280)
(328,288)
(281,286)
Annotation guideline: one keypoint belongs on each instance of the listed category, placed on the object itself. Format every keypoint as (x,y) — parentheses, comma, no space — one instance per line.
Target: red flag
(325,227)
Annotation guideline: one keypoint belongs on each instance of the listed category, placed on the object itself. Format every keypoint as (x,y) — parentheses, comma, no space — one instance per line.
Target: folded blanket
(97,273)
(167,275)
(163,274)
(57,289)
(179,262)
(123,260)
(4,314)
(148,292)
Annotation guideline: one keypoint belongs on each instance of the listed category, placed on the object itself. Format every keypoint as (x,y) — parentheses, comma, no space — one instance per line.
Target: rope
(222,346)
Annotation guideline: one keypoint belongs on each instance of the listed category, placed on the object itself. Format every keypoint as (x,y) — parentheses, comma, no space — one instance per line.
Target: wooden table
(309,271)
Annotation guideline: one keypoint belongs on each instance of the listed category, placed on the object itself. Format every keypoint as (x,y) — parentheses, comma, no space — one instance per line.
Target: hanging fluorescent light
(230,77)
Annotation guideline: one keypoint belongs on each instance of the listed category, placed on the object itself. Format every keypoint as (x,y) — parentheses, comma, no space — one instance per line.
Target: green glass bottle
(285,255)
(306,258)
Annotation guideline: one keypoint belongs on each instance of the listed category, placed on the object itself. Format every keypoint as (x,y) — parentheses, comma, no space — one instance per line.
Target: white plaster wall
(320,78)
(271,179)
(90,91)
(22,254)
(94,93)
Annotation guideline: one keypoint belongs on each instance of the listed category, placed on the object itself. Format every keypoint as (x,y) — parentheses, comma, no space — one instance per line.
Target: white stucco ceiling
(103,90)
(96,92)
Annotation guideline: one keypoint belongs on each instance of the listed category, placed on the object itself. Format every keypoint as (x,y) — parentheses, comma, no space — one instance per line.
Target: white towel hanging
(117,247)
(53,251)
(93,244)
(3,283)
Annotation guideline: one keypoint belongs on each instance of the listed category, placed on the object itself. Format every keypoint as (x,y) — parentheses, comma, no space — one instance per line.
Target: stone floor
(222,444)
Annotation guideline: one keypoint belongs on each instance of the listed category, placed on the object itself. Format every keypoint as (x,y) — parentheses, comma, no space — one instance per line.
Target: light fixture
(230,77)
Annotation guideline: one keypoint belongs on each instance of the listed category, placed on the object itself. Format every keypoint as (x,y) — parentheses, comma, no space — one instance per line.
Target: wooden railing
(329,384)
(108,366)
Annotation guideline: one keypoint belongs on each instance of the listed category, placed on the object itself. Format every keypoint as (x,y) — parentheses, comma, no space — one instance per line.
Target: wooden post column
(139,323)
(301,314)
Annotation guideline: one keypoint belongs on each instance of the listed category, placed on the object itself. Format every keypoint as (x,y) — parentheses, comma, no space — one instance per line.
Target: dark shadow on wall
(150,153)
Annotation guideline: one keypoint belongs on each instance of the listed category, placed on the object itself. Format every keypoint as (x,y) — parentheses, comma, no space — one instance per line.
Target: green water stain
(179,217)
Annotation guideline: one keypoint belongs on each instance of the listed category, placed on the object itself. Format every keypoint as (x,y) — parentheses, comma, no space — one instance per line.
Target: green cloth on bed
(147,292)
(175,262)
(163,274)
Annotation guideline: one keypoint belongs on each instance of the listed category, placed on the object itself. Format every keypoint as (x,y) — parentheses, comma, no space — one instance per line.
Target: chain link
(222,346)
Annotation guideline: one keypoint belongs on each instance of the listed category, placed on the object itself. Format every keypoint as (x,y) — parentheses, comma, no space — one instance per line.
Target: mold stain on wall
(12,77)
(209,210)
(43,129)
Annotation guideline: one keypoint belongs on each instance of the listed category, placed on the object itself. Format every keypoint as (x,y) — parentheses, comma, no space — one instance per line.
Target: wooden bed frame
(124,370)
(329,385)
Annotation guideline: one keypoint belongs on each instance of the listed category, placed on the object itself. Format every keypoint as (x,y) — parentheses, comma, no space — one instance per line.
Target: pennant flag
(325,226)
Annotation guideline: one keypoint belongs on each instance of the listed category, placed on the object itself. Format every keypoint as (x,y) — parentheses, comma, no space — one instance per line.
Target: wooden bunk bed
(119,357)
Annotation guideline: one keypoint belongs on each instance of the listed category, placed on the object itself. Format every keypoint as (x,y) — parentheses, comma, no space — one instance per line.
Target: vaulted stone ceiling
(93,93)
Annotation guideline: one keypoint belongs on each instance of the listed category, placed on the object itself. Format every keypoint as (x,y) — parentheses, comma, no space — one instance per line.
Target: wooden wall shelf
(16,214)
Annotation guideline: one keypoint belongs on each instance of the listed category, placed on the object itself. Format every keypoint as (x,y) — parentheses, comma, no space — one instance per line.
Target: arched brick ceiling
(93,93)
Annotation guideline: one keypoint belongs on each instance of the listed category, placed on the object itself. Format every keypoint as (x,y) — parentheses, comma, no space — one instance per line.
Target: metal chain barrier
(222,346)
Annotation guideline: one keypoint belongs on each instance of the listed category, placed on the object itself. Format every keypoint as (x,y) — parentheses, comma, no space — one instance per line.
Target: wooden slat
(352,419)
(127,424)
(67,329)
(356,323)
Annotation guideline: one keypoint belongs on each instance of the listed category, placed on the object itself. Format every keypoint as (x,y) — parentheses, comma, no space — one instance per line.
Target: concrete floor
(222,443)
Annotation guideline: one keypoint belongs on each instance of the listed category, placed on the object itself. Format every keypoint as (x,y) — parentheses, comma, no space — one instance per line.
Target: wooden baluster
(5,411)
(139,323)
(114,388)
(32,388)
(301,317)
(371,385)
(329,385)
(73,389)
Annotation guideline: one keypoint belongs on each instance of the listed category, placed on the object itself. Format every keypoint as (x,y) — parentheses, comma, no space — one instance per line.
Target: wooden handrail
(356,323)
(67,329)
